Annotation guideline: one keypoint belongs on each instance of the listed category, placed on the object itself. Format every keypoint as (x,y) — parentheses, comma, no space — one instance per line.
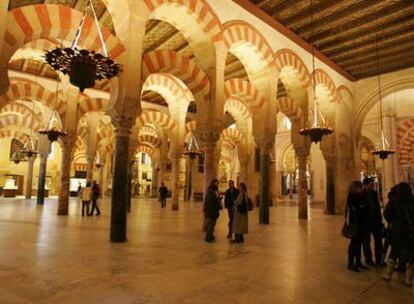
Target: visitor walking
(241,209)
(229,197)
(399,213)
(96,193)
(374,224)
(163,191)
(355,215)
(212,207)
(86,196)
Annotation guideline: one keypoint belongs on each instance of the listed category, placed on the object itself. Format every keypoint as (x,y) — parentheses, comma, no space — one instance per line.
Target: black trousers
(230,212)
(85,205)
(378,246)
(95,207)
(354,252)
(210,224)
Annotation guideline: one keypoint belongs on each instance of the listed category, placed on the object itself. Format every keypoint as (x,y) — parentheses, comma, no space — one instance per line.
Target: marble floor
(49,259)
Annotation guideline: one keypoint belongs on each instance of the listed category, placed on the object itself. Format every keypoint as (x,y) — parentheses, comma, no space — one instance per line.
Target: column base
(329,212)
(303,215)
(174,207)
(62,210)
(264,217)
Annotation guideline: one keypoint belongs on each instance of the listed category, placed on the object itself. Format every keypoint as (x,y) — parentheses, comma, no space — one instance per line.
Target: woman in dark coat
(355,214)
(399,213)
(212,207)
(240,222)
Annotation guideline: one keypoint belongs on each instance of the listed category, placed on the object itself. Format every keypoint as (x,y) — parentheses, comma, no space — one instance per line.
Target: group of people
(236,201)
(90,193)
(364,220)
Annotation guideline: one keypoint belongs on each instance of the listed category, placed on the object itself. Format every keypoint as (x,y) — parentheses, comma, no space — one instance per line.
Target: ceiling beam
(253,9)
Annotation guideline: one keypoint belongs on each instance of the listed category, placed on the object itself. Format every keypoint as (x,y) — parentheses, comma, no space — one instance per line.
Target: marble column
(302,153)
(330,185)
(29,179)
(119,201)
(130,176)
(90,167)
(101,176)
(189,178)
(175,162)
(265,146)
(42,179)
(68,145)
(209,140)
(154,182)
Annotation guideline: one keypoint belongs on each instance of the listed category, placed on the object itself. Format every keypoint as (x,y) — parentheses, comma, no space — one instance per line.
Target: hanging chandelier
(192,149)
(83,66)
(317,127)
(16,157)
(29,148)
(383,149)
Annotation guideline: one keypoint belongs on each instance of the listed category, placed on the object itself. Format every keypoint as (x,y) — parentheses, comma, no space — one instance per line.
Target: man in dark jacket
(212,207)
(229,197)
(163,191)
(374,224)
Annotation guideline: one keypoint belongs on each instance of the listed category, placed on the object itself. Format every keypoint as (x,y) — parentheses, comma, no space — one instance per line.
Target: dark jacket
(212,205)
(96,192)
(396,213)
(163,191)
(357,213)
(229,197)
(374,217)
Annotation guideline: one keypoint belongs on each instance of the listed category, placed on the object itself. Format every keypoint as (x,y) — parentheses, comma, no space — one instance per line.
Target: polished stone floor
(49,259)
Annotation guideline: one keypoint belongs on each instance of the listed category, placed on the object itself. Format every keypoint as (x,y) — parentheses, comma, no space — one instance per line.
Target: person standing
(355,215)
(240,223)
(374,224)
(229,197)
(96,193)
(86,196)
(212,207)
(399,213)
(163,191)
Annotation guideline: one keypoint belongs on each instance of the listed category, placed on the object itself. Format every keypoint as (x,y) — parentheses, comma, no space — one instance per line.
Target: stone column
(265,145)
(68,145)
(29,180)
(4,78)
(42,179)
(330,184)
(154,182)
(90,158)
(302,153)
(119,208)
(209,140)
(175,162)
(102,169)
(244,164)
(189,178)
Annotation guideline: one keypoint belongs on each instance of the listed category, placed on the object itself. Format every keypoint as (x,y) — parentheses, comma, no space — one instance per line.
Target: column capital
(69,141)
(265,143)
(302,151)
(209,137)
(123,123)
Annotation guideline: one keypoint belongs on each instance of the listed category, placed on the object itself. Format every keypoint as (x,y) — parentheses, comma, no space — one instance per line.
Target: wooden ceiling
(345,31)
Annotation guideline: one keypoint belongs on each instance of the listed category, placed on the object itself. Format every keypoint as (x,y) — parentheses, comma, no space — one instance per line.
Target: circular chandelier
(192,149)
(83,66)
(318,127)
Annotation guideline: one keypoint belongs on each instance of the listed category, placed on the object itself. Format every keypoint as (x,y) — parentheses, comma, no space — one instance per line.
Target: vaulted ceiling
(345,31)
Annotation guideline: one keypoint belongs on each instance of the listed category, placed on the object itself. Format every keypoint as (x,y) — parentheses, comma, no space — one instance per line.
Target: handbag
(347,231)
(242,208)
(250,204)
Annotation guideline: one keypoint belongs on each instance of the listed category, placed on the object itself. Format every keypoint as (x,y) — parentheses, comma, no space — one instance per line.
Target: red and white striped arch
(158,118)
(148,130)
(202,11)
(240,36)
(405,139)
(105,132)
(32,92)
(290,108)
(21,109)
(232,134)
(19,121)
(150,140)
(322,78)
(146,149)
(237,109)
(32,22)
(245,91)
(184,68)
(286,58)
(87,104)
(14,134)
(167,86)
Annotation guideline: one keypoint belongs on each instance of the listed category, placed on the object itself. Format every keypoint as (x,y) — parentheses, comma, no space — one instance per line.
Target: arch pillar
(265,144)
(302,154)
(29,179)
(209,140)
(175,157)
(68,148)
(44,151)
